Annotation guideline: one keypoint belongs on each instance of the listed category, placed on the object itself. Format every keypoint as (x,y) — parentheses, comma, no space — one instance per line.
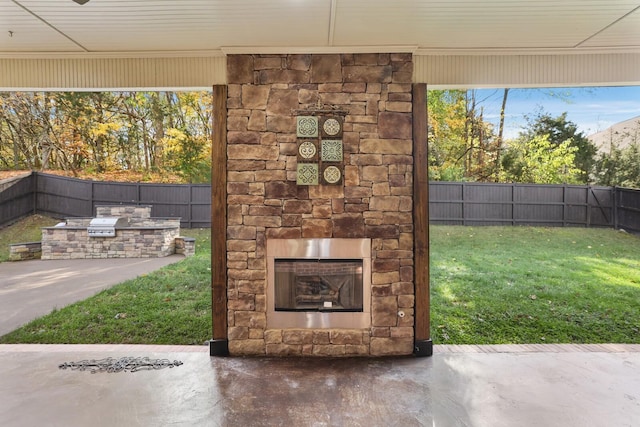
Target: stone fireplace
(276,220)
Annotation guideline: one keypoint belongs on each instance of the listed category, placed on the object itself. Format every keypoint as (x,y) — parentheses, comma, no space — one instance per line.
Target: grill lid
(105,226)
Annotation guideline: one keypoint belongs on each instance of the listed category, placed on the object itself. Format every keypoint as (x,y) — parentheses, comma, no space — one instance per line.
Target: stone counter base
(65,243)
(186,246)
(25,251)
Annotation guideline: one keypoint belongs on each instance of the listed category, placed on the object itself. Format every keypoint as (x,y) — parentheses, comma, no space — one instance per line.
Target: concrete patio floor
(529,385)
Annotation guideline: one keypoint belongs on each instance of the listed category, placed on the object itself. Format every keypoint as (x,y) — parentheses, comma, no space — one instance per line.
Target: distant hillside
(621,135)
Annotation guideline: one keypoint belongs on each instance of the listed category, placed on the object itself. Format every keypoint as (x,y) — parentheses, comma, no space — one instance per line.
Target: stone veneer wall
(75,243)
(129,211)
(375,202)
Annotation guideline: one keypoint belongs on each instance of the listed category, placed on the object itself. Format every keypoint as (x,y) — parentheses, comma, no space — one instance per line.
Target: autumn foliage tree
(160,132)
(446,134)
(464,146)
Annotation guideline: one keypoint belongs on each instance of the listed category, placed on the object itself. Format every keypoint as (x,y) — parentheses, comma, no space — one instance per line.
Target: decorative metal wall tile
(331,127)
(306,126)
(307,151)
(331,150)
(307,174)
(320,149)
(331,175)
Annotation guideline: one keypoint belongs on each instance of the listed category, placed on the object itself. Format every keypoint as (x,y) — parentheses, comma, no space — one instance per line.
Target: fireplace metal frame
(319,249)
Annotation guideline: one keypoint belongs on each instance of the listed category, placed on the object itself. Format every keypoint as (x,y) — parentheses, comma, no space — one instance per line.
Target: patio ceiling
(50,28)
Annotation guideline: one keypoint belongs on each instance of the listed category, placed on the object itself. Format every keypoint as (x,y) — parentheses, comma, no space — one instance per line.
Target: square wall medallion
(331,127)
(307,174)
(331,175)
(306,126)
(331,150)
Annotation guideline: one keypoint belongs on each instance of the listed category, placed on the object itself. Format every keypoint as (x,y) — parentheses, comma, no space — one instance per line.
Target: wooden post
(423,344)
(219,345)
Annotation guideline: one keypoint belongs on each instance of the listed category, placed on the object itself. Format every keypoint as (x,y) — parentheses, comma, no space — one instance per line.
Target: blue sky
(591,108)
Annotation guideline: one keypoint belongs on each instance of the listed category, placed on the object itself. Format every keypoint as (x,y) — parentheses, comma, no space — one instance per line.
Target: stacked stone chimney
(374,201)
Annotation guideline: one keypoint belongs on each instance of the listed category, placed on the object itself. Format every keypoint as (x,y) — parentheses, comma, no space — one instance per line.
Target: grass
(488,285)
(494,285)
(26,230)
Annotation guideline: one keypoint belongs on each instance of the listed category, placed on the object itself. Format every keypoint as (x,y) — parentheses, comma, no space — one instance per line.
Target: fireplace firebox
(323,285)
(316,283)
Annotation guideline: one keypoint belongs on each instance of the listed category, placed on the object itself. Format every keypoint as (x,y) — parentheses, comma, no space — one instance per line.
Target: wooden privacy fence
(62,197)
(17,198)
(627,208)
(452,203)
(470,203)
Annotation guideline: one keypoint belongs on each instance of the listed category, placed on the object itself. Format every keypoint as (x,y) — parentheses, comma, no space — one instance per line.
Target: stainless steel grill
(106,226)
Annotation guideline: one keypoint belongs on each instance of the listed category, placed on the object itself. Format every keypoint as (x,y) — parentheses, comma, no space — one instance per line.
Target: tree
(187,140)
(539,161)
(446,121)
(560,130)
(619,166)
(107,132)
(481,145)
(461,143)
(500,139)
(24,128)
(631,166)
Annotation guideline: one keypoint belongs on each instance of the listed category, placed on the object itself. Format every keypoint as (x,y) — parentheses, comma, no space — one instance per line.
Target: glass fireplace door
(318,285)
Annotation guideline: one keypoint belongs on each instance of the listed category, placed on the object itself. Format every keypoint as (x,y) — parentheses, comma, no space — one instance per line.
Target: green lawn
(488,285)
(534,285)
(26,230)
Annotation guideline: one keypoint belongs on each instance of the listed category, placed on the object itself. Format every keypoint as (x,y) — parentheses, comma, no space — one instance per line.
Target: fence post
(614,197)
(464,198)
(513,203)
(34,184)
(92,198)
(589,191)
(564,204)
(190,188)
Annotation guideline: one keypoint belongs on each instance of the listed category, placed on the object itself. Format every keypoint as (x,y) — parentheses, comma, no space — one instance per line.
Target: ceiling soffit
(509,39)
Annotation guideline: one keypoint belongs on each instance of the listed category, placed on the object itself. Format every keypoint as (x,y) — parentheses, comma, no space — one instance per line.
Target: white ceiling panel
(20,31)
(474,24)
(162,26)
(622,33)
(170,25)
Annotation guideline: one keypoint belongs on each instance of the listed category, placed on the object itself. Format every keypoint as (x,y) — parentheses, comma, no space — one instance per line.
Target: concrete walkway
(30,289)
(492,386)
